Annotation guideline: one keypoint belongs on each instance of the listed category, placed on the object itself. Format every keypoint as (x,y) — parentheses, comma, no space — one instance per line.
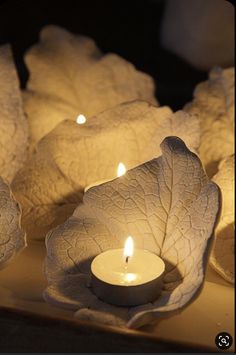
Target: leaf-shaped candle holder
(12,238)
(13,124)
(170,208)
(222,256)
(214,103)
(70,76)
(72,157)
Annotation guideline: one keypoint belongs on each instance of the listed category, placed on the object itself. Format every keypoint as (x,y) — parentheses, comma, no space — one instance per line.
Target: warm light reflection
(129,247)
(129,277)
(121,170)
(81,119)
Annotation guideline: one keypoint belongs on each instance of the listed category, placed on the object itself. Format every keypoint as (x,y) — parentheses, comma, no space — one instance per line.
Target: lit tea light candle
(127,277)
(81,119)
(121,170)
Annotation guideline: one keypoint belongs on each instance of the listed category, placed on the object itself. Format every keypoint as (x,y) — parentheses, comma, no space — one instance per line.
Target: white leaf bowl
(170,208)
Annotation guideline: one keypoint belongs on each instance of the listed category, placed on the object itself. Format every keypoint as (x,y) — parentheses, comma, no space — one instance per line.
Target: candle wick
(127,259)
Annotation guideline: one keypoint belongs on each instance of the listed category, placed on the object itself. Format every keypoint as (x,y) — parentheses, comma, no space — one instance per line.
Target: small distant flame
(121,170)
(129,248)
(81,119)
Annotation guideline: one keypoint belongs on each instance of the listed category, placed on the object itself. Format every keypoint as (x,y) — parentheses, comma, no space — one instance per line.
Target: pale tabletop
(22,283)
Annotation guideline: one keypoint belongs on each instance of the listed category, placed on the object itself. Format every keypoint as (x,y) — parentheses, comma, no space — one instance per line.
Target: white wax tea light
(121,170)
(127,277)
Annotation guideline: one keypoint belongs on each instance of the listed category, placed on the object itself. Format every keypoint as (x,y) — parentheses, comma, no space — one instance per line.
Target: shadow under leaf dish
(170,208)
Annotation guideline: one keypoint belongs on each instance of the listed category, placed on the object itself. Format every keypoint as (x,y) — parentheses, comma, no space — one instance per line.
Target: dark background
(127,27)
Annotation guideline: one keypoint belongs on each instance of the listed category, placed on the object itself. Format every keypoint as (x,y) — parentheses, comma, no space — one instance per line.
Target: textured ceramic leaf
(72,156)
(214,103)
(222,256)
(13,125)
(12,238)
(170,208)
(69,75)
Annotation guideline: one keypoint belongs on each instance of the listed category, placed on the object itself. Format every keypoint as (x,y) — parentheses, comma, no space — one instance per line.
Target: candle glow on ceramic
(128,276)
(81,119)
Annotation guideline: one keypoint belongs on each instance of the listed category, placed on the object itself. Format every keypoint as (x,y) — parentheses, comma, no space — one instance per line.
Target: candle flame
(121,170)
(81,119)
(129,247)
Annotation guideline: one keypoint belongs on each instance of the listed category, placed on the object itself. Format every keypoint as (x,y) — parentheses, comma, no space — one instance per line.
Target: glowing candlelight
(121,170)
(81,119)
(136,281)
(129,248)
